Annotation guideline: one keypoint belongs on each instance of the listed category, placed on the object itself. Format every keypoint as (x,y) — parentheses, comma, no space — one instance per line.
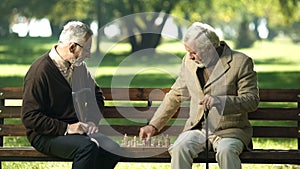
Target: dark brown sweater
(47,100)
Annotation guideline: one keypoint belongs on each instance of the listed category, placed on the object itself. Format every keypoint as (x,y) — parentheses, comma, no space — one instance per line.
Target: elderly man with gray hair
(48,110)
(217,80)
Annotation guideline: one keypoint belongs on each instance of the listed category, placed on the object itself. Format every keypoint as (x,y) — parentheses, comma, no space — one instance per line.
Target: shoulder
(42,65)
(236,56)
(42,61)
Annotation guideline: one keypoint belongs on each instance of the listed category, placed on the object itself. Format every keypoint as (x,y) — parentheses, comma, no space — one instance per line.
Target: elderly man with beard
(216,79)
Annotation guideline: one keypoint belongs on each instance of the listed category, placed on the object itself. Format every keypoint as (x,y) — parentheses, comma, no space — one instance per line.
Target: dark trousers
(79,148)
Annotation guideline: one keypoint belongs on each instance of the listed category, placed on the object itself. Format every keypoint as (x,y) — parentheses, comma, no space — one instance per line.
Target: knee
(175,149)
(181,150)
(88,147)
(226,151)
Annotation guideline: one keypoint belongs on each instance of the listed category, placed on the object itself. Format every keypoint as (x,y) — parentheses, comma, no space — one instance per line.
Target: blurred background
(242,21)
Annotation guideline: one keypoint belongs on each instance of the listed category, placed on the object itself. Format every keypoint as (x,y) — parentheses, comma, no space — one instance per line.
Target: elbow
(255,103)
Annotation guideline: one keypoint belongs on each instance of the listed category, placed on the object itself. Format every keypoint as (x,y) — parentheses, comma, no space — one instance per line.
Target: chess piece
(160,143)
(148,142)
(134,141)
(163,139)
(131,143)
(125,140)
(168,141)
(155,142)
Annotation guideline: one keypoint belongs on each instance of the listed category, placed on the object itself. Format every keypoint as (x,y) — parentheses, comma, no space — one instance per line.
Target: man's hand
(75,128)
(147,131)
(82,128)
(89,127)
(207,102)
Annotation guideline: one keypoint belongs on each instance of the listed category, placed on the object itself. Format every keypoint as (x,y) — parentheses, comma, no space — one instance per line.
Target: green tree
(225,14)
(230,16)
(142,29)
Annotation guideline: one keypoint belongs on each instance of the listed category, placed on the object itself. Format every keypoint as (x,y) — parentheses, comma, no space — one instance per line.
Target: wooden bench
(278,116)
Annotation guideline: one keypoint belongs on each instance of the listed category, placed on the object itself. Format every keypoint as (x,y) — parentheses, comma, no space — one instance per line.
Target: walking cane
(206,141)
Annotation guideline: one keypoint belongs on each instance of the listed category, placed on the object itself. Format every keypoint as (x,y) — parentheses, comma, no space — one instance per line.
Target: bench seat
(278,117)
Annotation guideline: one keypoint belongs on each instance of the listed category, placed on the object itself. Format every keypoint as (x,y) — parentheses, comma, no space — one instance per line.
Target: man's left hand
(207,102)
(89,127)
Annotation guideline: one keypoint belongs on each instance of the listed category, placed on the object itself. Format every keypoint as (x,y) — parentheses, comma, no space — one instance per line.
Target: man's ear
(72,47)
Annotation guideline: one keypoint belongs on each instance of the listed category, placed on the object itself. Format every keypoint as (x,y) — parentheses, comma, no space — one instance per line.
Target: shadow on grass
(273,80)
(145,80)
(23,50)
(271,61)
(148,58)
(276,80)
(14,81)
(284,80)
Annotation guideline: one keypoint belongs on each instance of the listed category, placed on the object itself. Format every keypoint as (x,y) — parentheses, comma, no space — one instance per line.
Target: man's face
(193,55)
(84,53)
(202,57)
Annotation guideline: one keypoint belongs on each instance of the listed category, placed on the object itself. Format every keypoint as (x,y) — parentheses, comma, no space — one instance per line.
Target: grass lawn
(277,64)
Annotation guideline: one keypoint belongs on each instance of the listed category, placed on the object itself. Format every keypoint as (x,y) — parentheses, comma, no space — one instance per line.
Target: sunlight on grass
(275,57)
(117,48)
(13,70)
(275,143)
(36,165)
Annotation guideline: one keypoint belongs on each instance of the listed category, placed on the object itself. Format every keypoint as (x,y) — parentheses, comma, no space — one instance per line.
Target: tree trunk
(99,20)
(150,40)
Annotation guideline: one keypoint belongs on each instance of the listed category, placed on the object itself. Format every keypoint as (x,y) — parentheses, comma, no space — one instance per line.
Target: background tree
(143,30)
(225,14)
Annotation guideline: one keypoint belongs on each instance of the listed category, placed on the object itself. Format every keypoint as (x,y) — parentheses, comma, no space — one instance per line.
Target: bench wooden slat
(258,131)
(11,93)
(268,95)
(12,130)
(119,130)
(275,114)
(256,156)
(147,113)
(110,130)
(280,132)
(10,111)
(279,95)
(153,94)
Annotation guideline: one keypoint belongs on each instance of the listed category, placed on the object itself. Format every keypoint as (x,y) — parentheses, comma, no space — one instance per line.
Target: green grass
(277,64)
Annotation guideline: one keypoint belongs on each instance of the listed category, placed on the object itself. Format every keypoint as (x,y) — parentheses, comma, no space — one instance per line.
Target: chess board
(159,142)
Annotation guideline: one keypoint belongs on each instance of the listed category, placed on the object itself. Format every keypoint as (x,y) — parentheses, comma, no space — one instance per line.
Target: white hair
(202,36)
(75,31)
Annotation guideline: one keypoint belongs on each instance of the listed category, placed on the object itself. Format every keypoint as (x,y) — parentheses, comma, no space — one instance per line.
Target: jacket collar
(222,65)
(220,69)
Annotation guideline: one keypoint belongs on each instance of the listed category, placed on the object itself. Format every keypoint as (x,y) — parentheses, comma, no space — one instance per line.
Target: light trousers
(190,143)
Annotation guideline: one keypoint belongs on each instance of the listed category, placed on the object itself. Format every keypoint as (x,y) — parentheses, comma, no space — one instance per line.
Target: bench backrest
(278,115)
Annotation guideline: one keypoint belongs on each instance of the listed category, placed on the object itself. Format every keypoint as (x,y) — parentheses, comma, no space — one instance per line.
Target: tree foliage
(226,14)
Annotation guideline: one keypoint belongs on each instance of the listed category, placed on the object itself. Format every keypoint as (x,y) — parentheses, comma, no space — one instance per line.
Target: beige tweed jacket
(233,82)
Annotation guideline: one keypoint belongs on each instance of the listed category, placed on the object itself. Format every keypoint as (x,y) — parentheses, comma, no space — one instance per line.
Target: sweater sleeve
(35,108)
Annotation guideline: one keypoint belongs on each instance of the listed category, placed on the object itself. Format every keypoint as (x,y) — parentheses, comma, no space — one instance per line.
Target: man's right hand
(147,131)
(75,128)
